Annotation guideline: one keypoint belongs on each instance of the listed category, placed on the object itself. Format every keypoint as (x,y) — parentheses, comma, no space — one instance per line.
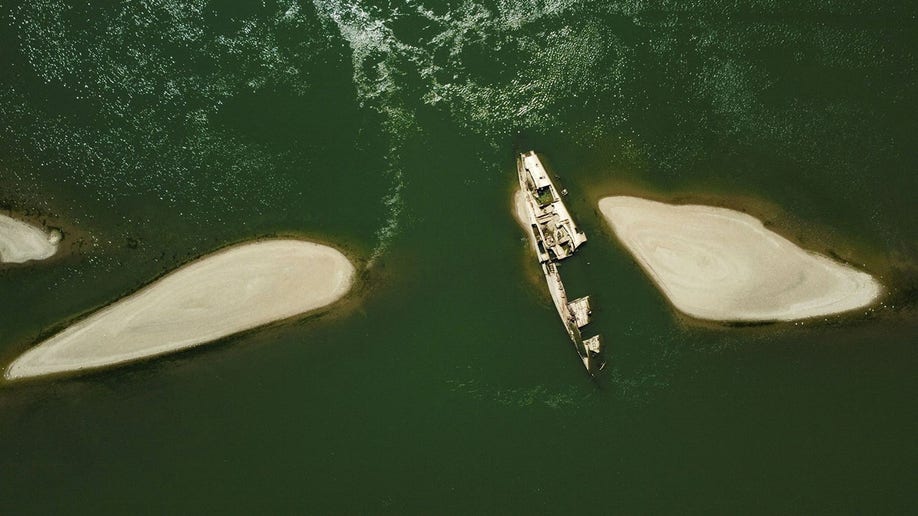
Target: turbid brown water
(166,133)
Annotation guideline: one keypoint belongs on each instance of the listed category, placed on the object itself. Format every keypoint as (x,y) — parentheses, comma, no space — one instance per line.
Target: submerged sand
(233,290)
(21,242)
(520,210)
(719,264)
(522,216)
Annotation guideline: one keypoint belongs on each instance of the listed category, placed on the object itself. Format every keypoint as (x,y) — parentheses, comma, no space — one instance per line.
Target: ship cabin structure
(556,235)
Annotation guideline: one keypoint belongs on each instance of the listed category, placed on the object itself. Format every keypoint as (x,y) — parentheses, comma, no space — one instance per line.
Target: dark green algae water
(156,132)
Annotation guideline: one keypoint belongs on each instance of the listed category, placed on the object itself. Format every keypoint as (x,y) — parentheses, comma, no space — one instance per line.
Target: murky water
(155,132)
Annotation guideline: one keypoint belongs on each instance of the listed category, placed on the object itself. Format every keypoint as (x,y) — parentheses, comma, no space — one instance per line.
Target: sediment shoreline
(232,290)
(21,242)
(719,264)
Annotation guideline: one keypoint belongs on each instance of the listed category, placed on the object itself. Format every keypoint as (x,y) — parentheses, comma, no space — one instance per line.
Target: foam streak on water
(386,60)
(372,46)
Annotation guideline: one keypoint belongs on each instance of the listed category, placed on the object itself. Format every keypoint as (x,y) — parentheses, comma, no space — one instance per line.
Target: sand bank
(21,242)
(235,289)
(719,264)
(521,211)
(521,214)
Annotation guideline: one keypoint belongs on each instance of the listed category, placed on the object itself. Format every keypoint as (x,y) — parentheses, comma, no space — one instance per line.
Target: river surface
(155,132)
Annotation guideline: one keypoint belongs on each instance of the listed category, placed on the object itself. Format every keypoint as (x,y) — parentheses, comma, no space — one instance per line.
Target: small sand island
(719,264)
(230,291)
(21,242)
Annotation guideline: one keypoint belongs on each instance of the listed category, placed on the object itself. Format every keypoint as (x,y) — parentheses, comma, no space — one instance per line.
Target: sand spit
(719,264)
(521,211)
(21,242)
(235,289)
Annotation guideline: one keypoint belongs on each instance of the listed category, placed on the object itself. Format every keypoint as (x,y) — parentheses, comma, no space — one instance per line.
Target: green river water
(155,132)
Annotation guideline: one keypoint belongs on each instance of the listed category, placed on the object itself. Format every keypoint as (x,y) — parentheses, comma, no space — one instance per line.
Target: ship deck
(556,232)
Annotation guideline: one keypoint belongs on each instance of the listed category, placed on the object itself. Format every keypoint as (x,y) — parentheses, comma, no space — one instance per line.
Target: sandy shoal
(233,290)
(522,215)
(520,210)
(720,264)
(21,242)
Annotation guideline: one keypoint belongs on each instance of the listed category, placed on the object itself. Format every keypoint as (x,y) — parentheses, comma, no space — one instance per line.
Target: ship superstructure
(556,235)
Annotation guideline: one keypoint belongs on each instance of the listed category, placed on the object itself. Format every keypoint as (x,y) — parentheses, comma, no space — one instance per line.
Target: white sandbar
(21,242)
(520,211)
(235,289)
(719,264)
(521,214)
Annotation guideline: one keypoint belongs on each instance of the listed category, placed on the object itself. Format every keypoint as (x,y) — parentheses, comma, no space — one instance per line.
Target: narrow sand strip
(21,242)
(520,211)
(720,264)
(235,289)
